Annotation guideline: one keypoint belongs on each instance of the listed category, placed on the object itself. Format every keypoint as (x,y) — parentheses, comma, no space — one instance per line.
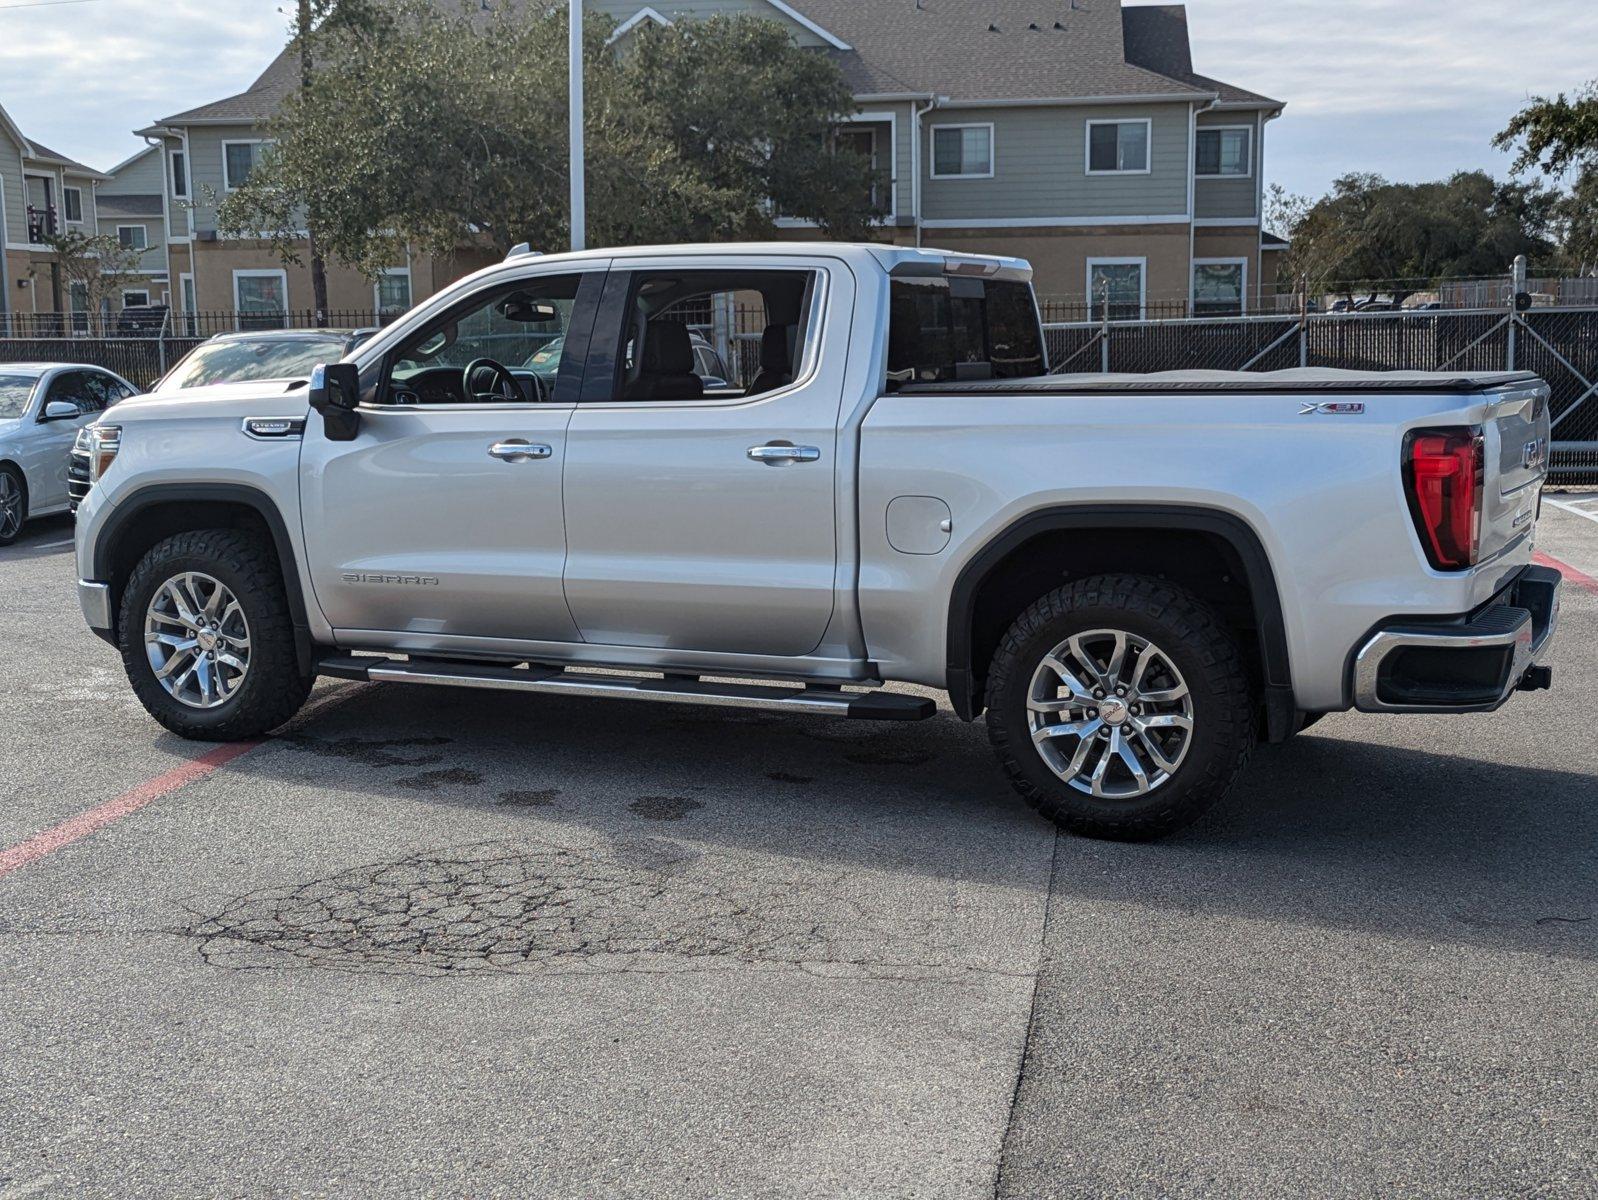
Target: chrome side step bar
(673,689)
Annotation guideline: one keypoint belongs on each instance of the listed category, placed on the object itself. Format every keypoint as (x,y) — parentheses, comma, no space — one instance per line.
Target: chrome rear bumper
(1472,664)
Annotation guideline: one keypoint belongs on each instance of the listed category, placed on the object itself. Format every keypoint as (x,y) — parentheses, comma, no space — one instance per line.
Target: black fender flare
(1236,532)
(128,510)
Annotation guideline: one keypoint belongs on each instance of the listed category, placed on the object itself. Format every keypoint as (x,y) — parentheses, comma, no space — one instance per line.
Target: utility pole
(578,164)
(318,267)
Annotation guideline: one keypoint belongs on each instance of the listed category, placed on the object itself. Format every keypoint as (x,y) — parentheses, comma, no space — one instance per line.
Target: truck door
(442,519)
(700,511)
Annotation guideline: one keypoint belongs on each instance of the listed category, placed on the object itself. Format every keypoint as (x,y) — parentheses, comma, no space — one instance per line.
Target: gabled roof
(1156,38)
(995,50)
(258,102)
(42,153)
(962,50)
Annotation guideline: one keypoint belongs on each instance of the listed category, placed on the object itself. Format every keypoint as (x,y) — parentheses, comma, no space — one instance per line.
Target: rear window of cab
(944,330)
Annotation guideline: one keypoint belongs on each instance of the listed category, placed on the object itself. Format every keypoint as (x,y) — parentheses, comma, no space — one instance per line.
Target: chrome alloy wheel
(197,640)
(10,505)
(1110,714)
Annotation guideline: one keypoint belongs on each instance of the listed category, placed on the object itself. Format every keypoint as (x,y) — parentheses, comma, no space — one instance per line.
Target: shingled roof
(970,50)
(1156,38)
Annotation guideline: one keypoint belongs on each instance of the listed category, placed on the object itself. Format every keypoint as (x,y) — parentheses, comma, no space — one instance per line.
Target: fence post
(1303,322)
(160,335)
(1104,328)
(1517,285)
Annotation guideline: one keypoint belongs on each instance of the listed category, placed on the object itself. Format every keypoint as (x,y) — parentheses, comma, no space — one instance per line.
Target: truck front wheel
(207,638)
(1119,707)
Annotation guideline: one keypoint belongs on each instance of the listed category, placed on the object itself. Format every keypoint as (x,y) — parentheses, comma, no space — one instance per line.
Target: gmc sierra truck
(1137,578)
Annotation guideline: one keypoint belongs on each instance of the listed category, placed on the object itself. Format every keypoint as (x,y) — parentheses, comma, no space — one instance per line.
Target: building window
(132,237)
(392,292)
(180,173)
(1219,286)
(239,160)
(72,204)
(1224,152)
(962,152)
(1120,283)
(1119,147)
(136,298)
(261,298)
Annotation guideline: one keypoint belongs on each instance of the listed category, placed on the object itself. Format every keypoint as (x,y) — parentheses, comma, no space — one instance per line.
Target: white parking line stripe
(1572,509)
(54,545)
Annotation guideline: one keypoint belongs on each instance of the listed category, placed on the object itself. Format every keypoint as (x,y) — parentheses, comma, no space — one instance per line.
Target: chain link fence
(1558,344)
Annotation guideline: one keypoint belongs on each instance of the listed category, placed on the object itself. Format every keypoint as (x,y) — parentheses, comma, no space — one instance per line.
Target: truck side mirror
(336,394)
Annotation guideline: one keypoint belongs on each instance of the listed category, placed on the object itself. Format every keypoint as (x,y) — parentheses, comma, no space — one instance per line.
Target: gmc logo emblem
(1535,455)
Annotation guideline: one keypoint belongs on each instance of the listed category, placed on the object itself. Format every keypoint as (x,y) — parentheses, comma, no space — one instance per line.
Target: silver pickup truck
(1137,578)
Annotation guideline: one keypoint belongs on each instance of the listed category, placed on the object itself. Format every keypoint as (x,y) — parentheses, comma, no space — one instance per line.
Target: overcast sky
(1413,89)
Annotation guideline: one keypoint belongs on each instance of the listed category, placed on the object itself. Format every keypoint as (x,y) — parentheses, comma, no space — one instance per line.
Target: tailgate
(1516,459)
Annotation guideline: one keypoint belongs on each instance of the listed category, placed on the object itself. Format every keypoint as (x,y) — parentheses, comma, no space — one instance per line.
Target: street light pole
(579,200)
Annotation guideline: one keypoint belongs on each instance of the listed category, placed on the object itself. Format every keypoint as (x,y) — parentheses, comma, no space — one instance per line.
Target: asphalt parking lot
(677,952)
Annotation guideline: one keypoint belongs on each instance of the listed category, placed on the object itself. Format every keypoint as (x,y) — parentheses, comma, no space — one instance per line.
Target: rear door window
(960,329)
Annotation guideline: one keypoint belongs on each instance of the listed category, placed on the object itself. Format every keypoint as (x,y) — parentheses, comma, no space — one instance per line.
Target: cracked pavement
(433,943)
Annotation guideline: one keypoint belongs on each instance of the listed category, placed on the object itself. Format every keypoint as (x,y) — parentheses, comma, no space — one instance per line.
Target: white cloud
(1411,89)
(80,78)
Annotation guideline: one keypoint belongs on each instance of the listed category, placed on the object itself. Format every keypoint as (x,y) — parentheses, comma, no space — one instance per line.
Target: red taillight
(1443,476)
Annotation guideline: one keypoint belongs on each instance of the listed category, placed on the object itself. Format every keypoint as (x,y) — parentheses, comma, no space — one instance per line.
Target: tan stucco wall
(1241,242)
(347,290)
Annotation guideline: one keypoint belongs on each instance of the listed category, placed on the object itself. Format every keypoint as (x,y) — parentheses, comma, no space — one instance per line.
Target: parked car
(42,407)
(1110,566)
(260,354)
(708,365)
(141,320)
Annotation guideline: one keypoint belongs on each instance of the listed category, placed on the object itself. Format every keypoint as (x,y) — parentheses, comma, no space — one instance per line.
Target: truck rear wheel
(1119,707)
(207,638)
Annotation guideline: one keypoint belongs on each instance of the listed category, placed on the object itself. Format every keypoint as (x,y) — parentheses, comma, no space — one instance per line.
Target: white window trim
(145,292)
(260,273)
(993,151)
(891,119)
(172,174)
(1203,129)
(142,230)
(377,288)
(1143,283)
(1087,144)
(1192,280)
(634,21)
(65,188)
(227,184)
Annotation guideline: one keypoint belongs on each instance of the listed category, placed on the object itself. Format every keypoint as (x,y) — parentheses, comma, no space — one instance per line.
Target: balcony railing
(41,224)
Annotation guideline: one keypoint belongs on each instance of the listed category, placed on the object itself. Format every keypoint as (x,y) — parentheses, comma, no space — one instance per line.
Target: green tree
(96,262)
(1398,238)
(1559,138)
(436,130)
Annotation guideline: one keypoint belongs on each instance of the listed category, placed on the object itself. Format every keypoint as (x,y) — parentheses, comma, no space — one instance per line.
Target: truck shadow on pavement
(1324,831)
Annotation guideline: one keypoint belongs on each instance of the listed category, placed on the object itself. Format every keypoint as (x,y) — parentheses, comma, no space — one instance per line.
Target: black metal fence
(1558,344)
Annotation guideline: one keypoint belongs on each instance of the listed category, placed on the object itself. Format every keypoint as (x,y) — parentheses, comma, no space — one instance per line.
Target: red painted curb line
(81,826)
(1580,578)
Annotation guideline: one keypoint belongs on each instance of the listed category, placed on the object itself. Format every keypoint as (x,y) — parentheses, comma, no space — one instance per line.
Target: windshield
(14,393)
(257,358)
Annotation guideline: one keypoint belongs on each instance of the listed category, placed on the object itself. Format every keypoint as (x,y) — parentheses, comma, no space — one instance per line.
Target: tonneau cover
(1298,380)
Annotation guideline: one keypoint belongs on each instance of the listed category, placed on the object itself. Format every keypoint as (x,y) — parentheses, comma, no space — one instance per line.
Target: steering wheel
(498,373)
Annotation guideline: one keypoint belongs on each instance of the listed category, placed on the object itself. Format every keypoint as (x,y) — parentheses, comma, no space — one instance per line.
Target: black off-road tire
(1191,634)
(22,490)
(273,689)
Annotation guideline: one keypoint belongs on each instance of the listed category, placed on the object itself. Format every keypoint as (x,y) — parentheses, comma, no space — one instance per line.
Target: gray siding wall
(141,177)
(16,199)
(1040,161)
(205,168)
(1234,197)
(154,256)
(621,10)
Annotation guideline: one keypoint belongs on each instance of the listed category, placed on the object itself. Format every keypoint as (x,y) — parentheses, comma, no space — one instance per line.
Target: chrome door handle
(517,450)
(778,452)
